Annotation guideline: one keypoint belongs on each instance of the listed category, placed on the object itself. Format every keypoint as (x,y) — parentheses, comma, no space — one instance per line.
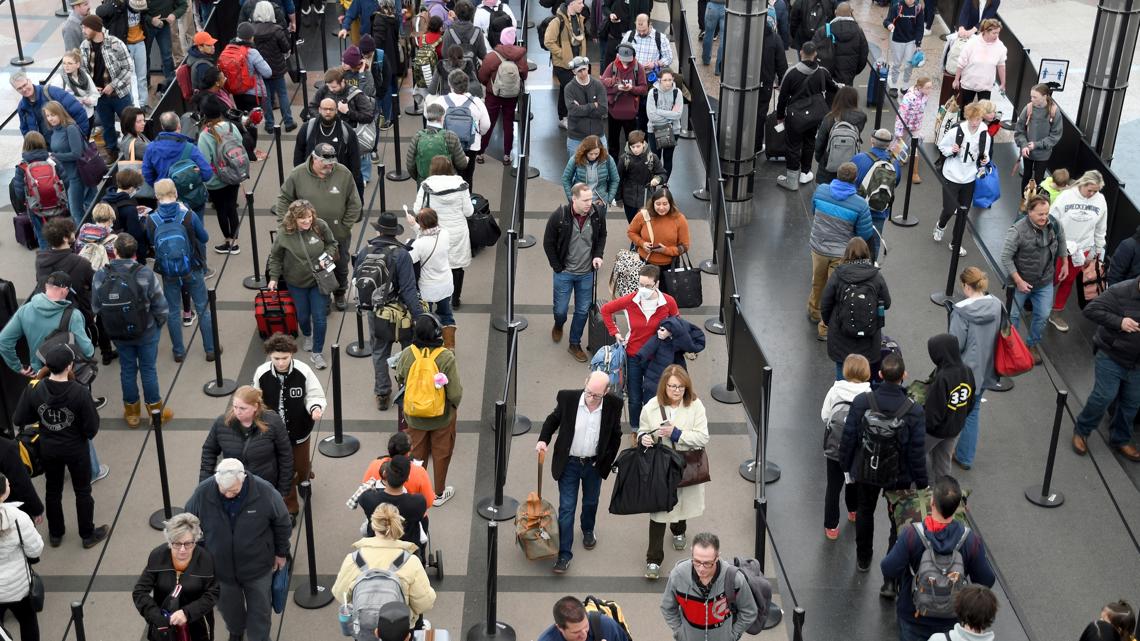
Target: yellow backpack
(422,398)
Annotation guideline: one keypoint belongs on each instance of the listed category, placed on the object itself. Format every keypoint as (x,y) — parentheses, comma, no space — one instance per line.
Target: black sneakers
(96,537)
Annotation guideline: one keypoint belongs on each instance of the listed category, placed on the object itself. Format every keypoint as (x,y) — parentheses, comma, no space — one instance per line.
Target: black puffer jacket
(267,454)
(636,172)
(386,34)
(846,55)
(1125,261)
(272,43)
(196,600)
(1118,302)
(839,345)
(773,61)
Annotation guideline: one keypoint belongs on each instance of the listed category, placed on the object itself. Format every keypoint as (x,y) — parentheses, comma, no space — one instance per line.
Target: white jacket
(13,567)
(840,392)
(962,167)
(430,251)
(450,197)
(1085,220)
(478,112)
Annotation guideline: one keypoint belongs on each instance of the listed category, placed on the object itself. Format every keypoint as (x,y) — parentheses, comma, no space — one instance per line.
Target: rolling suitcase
(275,312)
(775,142)
(597,336)
(25,234)
(876,82)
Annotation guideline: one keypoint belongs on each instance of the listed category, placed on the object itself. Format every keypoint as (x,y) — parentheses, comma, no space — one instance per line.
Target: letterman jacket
(293,395)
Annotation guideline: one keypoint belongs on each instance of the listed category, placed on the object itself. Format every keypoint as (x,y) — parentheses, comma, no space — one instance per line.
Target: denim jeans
(38,228)
(311,315)
(634,372)
(139,358)
(574,474)
(278,96)
(138,55)
(107,112)
(94,456)
(582,285)
(877,239)
(1112,382)
(714,24)
(968,438)
(442,309)
(366,167)
(172,289)
(1042,298)
(161,35)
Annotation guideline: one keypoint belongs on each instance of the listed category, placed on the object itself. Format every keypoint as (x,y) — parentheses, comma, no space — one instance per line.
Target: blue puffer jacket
(165,151)
(840,215)
(658,354)
(31,114)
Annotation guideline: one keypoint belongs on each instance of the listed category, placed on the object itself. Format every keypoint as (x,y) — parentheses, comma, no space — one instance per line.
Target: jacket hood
(44,154)
(173,136)
(959,633)
(943,350)
(980,311)
(49,308)
(54,259)
(443,183)
(944,540)
(849,389)
(857,271)
(117,198)
(841,189)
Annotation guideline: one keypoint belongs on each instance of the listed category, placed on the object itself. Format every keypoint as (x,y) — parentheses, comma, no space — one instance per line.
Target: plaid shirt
(645,48)
(120,65)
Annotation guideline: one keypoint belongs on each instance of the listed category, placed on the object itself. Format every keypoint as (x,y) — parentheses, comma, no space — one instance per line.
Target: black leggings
(25,615)
(1034,169)
(457,279)
(955,197)
(224,200)
(656,551)
(835,485)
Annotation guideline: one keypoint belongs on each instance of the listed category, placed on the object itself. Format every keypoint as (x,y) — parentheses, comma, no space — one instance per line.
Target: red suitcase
(275,312)
(25,233)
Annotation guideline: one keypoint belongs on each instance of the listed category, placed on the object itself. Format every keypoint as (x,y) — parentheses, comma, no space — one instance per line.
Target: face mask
(646,292)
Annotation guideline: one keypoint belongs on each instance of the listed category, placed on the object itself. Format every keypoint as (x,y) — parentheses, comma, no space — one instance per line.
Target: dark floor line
(386,422)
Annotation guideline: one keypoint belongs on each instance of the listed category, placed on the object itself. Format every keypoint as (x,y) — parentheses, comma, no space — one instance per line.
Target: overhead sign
(1054,72)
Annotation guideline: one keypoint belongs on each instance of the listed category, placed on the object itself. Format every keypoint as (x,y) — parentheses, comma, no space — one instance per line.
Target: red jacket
(640,330)
(624,104)
(491,63)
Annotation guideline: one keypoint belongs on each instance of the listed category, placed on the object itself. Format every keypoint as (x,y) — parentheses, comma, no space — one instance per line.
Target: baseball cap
(625,52)
(59,279)
(578,62)
(58,358)
(325,151)
(203,38)
(393,621)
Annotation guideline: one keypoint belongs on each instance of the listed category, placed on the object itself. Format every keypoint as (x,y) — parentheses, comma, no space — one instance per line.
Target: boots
(914,177)
(167,413)
(449,336)
(790,180)
(131,413)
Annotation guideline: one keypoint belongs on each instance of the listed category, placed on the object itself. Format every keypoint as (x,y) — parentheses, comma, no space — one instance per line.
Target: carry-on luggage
(25,233)
(775,142)
(536,529)
(275,312)
(876,82)
(482,226)
(597,336)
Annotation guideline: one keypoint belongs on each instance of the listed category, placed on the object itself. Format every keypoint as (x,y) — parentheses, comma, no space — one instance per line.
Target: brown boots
(131,414)
(914,177)
(449,336)
(167,413)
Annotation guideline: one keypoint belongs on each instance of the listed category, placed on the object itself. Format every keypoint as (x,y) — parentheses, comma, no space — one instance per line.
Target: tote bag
(1011,356)
(683,283)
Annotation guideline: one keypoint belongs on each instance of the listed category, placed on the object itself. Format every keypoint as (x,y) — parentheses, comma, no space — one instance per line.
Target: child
(856,380)
(905,22)
(949,399)
(639,170)
(94,241)
(912,111)
(1056,183)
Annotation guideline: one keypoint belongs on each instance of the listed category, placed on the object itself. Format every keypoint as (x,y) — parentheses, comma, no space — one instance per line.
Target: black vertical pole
(360,348)
(304,75)
(77,612)
(316,596)
(158,519)
(399,174)
(219,386)
(280,157)
(500,507)
(1044,495)
(905,220)
(257,281)
(941,298)
(62,11)
(19,60)
(798,624)
(880,97)
(324,39)
(338,445)
(492,628)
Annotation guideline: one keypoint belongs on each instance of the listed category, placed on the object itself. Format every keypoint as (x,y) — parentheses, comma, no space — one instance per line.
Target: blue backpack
(611,360)
(173,253)
(187,177)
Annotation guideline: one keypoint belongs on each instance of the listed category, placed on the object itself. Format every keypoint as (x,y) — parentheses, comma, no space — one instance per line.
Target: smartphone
(779,128)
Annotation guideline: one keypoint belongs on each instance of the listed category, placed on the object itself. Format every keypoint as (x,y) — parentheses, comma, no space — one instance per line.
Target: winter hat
(881,139)
(578,62)
(245,31)
(352,57)
(508,36)
(94,23)
(367,44)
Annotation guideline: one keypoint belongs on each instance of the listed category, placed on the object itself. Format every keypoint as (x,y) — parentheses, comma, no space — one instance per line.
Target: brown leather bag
(696,463)
(536,529)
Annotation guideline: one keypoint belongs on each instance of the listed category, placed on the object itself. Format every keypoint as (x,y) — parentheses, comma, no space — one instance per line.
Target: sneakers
(226,248)
(701,34)
(290,126)
(210,273)
(889,589)
(938,233)
(100,402)
(104,471)
(96,537)
(832,533)
(578,354)
(556,333)
(806,178)
(319,361)
(788,180)
(188,317)
(561,566)
(851,517)
(1054,319)
(385,125)
(652,571)
(589,541)
(1036,351)
(109,356)
(961,250)
(679,542)
(307,344)
(374,157)
(440,499)
(863,566)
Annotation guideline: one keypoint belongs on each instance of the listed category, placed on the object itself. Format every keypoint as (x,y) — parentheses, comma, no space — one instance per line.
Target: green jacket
(335,197)
(453,390)
(287,259)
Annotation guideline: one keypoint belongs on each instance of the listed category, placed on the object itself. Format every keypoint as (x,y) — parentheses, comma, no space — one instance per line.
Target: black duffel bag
(481,225)
(645,480)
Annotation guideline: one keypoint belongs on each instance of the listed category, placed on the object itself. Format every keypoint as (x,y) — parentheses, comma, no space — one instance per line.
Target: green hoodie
(445,361)
(335,198)
(287,257)
(35,320)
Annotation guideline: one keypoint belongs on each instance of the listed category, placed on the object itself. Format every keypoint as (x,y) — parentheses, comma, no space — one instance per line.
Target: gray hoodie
(694,613)
(975,323)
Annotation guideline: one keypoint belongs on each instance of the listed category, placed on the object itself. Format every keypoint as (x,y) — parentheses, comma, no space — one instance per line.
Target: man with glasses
(329,128)
(247,532)
(695,603)
(574,241)
(34,96)
(587,444)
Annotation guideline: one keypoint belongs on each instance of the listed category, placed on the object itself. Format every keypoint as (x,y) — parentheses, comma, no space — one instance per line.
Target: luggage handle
(541,459)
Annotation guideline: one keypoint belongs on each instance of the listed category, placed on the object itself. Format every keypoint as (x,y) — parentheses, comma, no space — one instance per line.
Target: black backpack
(833,430)
(959,138)
(498,21)
(123,305)
(882,444)
(373,280)
(85,369)
(858,309)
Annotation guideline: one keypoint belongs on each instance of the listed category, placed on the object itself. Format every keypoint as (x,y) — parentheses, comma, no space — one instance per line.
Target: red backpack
(43,189)
(182,77)
(234,62)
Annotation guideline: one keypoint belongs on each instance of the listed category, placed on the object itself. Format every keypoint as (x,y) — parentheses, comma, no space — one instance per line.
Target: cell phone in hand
(779,128)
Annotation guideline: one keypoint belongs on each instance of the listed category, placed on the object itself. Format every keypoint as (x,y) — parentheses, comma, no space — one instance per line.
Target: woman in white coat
(450,197)
(19,541)
(429,250)
(674,418)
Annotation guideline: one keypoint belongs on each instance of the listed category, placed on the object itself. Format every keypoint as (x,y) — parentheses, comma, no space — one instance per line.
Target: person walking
(429,250)
(253,434)
(853,306)
(586,103)
(1036,132)
(460,99)
(450,197)
(177,589)
(247,546)
(883,154)
(290,388)
(912,114)
(951,394)
(588,423)
(574,242)
(1083,214)
(565,39)
(659,230)
(836,404)
(802,94)
(840,215)
(273,44)
(844,108)
(20,545)
(639,172)
(966,149)
(304,245)
(975,321)
(692,601)
(504,51)
(663,110)
(1032,254)
(217,130)
(593,166)
(328,127)
(981,62)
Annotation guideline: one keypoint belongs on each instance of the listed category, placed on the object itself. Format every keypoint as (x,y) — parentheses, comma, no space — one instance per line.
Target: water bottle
(344,616)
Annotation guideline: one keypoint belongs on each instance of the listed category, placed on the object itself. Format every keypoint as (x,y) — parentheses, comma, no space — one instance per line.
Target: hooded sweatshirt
(66,415)
(841,392)
(840,215)
(959,633)
(951,395)
(1125,261)
(657,354)
(698,613)
(1085,220)
(839,344)
(127,219)
(975,323)
(35,320)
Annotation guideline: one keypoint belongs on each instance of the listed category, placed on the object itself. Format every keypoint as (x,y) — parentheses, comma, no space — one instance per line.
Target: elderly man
(247,531)
(588,423)
(33,98)
(331,187)
(110,66)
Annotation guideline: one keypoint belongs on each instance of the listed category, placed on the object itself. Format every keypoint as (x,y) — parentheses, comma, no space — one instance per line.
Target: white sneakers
(318,361)
(961,250)
(806,178)
(938,233)
(440,499)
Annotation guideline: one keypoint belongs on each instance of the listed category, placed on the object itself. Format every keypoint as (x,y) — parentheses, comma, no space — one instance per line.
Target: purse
(663,136)
(696,463)
(1011,356)
(1093,281)
(326,280)
(35,581)
(683,283)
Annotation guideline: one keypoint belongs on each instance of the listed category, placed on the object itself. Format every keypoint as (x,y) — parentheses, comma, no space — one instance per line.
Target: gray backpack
(833,430)
(757,584)
(938,578)
(372,589)
(506,83)
(842,145)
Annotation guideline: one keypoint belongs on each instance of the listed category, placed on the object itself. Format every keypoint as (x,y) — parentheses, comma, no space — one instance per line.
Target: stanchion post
(304,75)
(500,507)
(880,98)
(158,519)
(312,596)
(280,157)
(905,220)
(220,386)
(324,42)
(257,281)
(62,11)
(383,187)
(492,628)
(399,174)
(77,614)
(1044,495)
(1004,383)
(798,615)
(338,445)
(703,193)
(526,240)
(509,319)
(941,298)
(360,348)
(20,60)
(524,116)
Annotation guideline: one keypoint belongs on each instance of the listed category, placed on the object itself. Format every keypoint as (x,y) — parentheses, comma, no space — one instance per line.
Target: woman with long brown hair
(844,108)
(67,144)
(253,434)
(592,164)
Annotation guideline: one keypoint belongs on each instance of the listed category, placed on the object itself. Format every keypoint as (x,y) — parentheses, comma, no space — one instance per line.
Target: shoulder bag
(807,108)
(1011,356)
(683,282)
(696,463)
(663,134)
(627,266)
(35,582)
(326,280)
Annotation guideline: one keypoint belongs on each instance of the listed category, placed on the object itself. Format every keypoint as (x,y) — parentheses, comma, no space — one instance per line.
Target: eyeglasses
(183,545)
(705,564)
(589,394)
(676,388)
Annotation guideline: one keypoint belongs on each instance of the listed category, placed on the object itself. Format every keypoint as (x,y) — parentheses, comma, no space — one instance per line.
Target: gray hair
(263,12)
(18,78)
(168,120)
(230,472)
(458,81)
(434,112)
(180,525)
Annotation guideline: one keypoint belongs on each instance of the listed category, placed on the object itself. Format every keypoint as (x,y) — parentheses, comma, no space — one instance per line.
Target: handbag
(807,108)
(663,136)
(326,280)
(536,528)
(683,283)
(696,463)
(1094,280)
(1011,356)
(35,581)
(91,166)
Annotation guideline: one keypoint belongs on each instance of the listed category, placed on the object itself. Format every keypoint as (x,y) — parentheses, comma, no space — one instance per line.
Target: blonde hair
(921,81)
(387,523)
(856,368)
(975,278)
(1090,177)
(250,395)
(988,106)
(73,54)
(974,110)
(165,190)
(102,213)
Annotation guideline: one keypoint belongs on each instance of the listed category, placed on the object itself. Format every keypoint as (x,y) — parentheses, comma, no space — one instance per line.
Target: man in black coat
(574,241)
(589,435)
(800,89)
(892,401)
(807,16)
(773,66)
(843,48)
(1125,263)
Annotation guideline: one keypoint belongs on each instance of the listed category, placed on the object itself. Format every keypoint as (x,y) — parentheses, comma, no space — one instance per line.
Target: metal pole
(905,220)
(879,98)
(317,596)
(338,445)
(492,628)
(256,281)
(499,507)
(360,348)
(1044,495)
(62,11)
(942,298)
(304,75)
(77,612)
(509,318)
(703,192)
(725,392)
(798,624)
(399,174)
(526,240)
(19,60)
(158,518)
(219,386)
(280,157)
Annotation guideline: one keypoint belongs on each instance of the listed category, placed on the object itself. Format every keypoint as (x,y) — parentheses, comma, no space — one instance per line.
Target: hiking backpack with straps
(656,40)
(423,65)
(878,186)
(43,189)
(842,145)
(460,120)
(234,62)
(173,253)
(83,368)
(469,46)
(421,397)
(959,138)
(833,430)
(542,27)
(596,607)
(371,590)
(882,444)
(231,162)
(431,143)
(938,577)
(123,305)
(757,584)
(815,16)
(858,309)
(507,82)
(187,177)
(372,280)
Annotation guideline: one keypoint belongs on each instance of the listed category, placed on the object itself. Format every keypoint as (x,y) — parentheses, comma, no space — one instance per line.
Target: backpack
(432,143)
(372,280)
(83,367)
(815,16)
(611,360)
(498,21)
(959,138)
(421,397)
(546,23)
(187,179)
(938,577)
(173,254)
(43,188)
(460,120)
(423,65)
(858,309)
(833,430)
(842,145)
(28,440)
(469,46)
(656,40)
(882,444)
(231,162)
(507,83)
(234,62)
(596,607)
(759,586)
(952,54)
(371,590)
(123,305)
(878,186)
